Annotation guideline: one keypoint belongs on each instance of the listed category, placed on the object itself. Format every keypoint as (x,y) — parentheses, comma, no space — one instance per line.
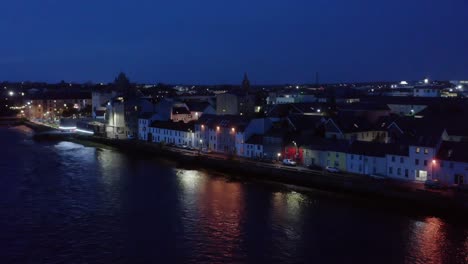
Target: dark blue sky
(215,41)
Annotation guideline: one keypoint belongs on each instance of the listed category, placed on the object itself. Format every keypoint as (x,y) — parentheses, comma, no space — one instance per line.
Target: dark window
(406,173)
(416,162)
(390,170)
(393,158)
(399,171)
(451,165)
(401,159)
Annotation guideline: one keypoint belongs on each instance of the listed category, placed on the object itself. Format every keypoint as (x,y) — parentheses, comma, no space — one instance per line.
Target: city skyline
(216,43)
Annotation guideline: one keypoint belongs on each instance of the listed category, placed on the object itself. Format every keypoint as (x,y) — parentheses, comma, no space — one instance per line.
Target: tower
(246,83)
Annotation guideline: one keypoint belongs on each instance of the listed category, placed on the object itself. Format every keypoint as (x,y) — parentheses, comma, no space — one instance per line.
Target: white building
(168,132)
(451,163)
(367,158)
(228,133)
(426,91)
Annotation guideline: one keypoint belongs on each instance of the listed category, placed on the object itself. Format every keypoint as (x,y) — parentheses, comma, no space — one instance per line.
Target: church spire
(246,83)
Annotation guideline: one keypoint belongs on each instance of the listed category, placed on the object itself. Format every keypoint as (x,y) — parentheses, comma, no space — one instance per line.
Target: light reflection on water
(73,204)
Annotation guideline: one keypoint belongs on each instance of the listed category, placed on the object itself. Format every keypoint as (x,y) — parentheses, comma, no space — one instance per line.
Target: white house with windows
(227,133)
(367,158)
(451,163)
(144,121)
(168,132)
(253,147)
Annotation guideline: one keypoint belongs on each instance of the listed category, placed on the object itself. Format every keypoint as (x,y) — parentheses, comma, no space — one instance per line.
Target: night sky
(216,41)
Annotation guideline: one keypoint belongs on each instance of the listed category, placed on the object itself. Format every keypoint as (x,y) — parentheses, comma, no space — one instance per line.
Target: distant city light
(426,81)
(403,83)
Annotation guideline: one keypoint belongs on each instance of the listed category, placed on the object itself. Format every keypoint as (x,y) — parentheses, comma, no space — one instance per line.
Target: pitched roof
(178,126)
(145,115)
(180,111)
(213,121)
(363,107)
(317,143)
(453,151)
(305,122)
(376,149)
(351,124)
(197,106)
(420,131)
(255,140)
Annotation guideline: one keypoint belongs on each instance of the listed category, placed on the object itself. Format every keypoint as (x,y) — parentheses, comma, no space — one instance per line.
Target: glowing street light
(11,93)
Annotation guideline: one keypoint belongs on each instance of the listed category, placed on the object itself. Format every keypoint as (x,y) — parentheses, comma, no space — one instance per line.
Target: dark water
(66,203)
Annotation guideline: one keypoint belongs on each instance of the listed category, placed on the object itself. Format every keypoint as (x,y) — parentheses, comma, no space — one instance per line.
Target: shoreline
(390,194)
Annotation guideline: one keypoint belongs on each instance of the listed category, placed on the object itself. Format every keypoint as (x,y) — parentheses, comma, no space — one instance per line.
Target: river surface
(62,202)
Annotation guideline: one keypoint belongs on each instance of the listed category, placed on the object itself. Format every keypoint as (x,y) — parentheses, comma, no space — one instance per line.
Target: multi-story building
(168,132)
(50,106)
(228,133)
(235,103)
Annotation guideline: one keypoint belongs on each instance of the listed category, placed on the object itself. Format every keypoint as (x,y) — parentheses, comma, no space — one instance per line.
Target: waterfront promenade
(388,191)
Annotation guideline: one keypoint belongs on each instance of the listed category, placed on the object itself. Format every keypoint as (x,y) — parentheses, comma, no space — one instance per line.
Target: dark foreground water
(67,203)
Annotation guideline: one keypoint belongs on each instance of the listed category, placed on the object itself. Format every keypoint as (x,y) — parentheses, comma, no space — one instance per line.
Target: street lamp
(295,145)
(432,168)
(279,156)
(11,93)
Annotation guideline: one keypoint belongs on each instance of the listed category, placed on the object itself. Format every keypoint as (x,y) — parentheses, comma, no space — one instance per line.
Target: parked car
(184,146)
(206,150)
(314,167)
(332,169)
(130,137)
(433,184)
(377,177)
(289,162)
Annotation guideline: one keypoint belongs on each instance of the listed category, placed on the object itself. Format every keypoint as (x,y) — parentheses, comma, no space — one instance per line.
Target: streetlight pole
(296,154)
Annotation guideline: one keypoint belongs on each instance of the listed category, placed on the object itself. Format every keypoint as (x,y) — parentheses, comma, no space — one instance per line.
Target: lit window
(418,150)
(426,151)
